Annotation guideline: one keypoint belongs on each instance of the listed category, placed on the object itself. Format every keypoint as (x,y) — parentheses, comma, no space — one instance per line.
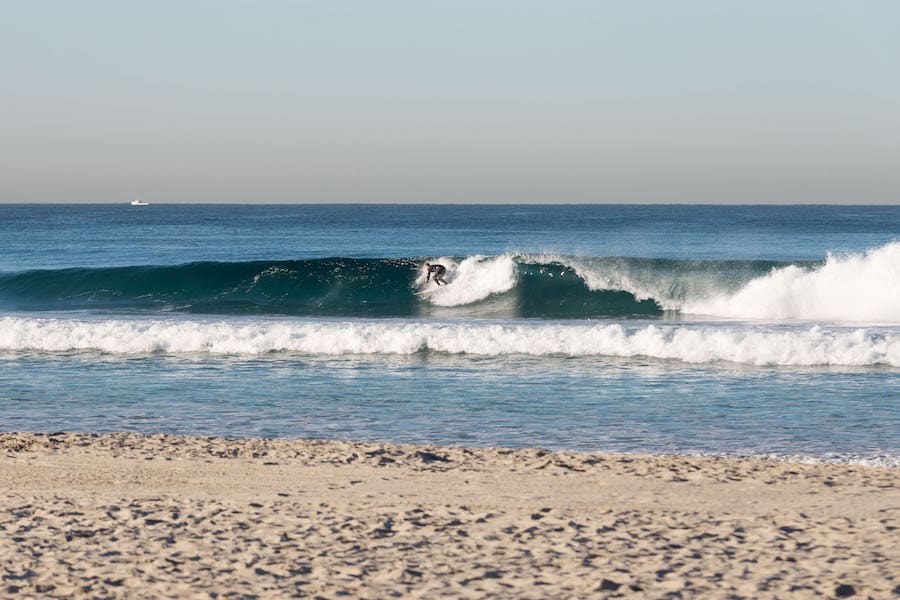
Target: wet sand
(126,515)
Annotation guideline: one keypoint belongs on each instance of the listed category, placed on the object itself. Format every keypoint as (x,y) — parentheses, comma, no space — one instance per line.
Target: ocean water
(747,330)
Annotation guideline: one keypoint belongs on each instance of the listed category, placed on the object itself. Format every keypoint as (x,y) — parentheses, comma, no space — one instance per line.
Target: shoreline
(125,515)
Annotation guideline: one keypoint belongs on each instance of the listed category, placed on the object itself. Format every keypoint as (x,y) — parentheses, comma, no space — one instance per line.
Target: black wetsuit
(438,271)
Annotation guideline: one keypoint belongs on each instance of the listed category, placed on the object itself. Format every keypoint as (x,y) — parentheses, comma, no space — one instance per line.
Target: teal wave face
(328,286)
(565,295)
(549,289)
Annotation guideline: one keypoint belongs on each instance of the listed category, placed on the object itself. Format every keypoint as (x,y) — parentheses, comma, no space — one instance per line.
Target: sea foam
(688,343)
(848,288)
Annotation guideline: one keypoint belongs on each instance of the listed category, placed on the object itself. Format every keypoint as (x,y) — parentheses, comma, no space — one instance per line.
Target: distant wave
(840,288)
(692,344)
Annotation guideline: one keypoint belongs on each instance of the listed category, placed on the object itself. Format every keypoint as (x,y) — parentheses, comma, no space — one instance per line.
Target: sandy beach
(127,515)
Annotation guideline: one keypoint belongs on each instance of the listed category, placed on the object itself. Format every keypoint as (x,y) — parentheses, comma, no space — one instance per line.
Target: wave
(480,286)
(692,344)
(853,287)
(861,287)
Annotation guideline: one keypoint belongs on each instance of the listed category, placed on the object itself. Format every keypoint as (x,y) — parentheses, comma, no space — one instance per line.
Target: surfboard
(430,290)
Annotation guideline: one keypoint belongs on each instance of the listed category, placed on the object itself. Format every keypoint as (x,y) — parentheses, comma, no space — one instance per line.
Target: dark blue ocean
(736,330)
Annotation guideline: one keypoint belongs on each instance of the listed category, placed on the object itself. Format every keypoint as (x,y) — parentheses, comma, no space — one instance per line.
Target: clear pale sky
(467,101)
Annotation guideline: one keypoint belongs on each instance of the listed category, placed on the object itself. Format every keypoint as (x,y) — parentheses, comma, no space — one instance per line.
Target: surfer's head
(427,265)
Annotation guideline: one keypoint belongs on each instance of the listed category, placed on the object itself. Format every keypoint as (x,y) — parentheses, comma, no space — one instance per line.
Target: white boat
(139,202)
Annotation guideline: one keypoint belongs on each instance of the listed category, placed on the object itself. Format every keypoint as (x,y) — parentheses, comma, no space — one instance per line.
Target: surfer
(438,271)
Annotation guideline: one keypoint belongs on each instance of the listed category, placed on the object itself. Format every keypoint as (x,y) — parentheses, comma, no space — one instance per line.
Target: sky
(647,101)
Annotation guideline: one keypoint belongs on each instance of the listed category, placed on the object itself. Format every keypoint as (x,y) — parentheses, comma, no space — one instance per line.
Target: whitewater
(697,344)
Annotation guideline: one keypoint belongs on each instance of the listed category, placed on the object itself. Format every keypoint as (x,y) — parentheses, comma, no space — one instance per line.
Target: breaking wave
(687,343)
(861,288)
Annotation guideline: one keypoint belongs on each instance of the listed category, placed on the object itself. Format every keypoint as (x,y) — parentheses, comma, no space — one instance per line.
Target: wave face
(705,344)
(482,286)
(849,288)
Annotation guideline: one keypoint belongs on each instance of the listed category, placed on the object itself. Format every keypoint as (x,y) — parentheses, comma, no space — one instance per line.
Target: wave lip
(812,346)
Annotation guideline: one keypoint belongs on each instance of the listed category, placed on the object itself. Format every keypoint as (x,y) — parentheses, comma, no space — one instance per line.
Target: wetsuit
(438,271)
